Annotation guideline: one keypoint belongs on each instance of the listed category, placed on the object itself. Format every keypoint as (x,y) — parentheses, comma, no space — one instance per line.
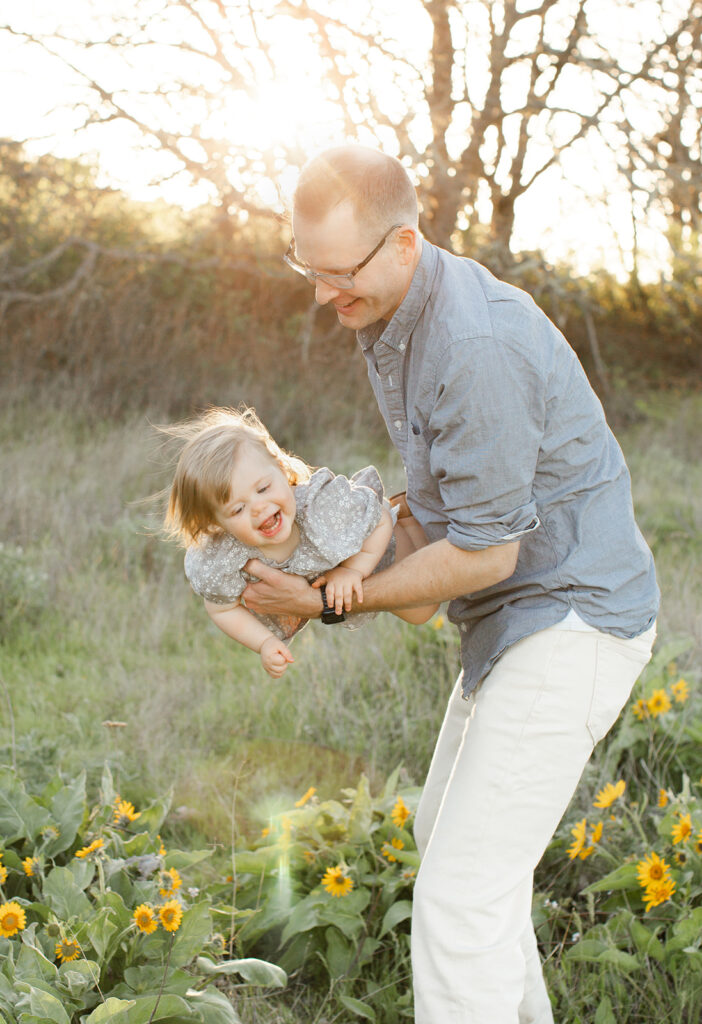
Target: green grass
(108,631)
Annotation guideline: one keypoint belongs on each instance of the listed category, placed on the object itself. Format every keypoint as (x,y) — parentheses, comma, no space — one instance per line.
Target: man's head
(355,232)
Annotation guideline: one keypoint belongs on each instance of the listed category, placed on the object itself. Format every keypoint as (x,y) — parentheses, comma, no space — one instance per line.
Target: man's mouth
(271,525)
(346,307)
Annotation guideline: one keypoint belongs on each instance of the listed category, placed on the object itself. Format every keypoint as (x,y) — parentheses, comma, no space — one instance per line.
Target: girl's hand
(342,584)
(275,656)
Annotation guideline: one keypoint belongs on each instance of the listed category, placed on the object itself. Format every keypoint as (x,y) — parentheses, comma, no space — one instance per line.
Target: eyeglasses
(335,280)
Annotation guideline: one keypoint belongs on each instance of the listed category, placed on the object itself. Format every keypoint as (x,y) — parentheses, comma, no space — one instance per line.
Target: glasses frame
(346,280)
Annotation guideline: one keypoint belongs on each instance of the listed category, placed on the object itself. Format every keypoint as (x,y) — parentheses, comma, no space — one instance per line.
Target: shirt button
(398,424)
(402,346)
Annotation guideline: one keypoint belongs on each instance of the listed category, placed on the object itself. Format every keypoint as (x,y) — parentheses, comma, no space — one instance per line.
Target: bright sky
(561,214)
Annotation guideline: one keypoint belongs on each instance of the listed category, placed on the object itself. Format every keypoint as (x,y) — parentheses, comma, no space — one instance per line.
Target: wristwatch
(329,616)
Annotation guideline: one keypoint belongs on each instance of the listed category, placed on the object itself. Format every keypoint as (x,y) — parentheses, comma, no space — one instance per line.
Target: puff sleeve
(338,513)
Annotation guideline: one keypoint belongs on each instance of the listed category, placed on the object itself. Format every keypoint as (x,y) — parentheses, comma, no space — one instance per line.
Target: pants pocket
(619,664)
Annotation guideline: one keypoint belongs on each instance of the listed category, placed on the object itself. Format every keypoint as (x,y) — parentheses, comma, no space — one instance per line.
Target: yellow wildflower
(663,798)
(658,893)
(651,870)
(170,915)
(3,874)
(306,796)
(610,793)
(12,919)
(162,848)
(579,842)
(698,842)
(31,866)
(596,833)
(387,848)
(67,950)
(408,874)
(400,813)
(145,919)
(124,813)
(680,691)
(264,832)
(438,622)
(97,844)
(169,881)
(640,709)
(683,829)
(310,856)
(658,703)
(337,882)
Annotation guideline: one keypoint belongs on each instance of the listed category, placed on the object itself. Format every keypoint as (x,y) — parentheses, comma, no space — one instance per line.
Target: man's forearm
(438,572)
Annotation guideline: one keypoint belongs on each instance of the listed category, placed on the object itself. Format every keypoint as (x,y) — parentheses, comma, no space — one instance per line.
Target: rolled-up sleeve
(485,429)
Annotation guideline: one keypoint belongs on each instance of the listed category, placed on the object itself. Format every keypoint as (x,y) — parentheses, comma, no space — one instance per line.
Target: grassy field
(97,625)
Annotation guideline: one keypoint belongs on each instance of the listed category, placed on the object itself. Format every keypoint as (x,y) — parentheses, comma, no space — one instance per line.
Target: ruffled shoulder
(214,568)
(336,513)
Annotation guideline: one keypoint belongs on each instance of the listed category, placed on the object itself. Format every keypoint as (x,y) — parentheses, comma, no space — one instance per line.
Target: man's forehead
(334,240)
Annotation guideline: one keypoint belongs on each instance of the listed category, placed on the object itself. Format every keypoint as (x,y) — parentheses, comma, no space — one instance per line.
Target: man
(525,498)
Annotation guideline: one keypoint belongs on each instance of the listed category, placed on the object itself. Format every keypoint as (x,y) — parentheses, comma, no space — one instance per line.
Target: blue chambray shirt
(503,438)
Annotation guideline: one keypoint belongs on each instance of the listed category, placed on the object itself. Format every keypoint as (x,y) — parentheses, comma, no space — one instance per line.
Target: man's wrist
(329,616)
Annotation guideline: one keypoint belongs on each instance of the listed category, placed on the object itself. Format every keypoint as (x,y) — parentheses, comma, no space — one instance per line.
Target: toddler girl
(237,495)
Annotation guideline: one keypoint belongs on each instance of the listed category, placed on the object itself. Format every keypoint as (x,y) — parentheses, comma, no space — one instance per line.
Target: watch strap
(329,616)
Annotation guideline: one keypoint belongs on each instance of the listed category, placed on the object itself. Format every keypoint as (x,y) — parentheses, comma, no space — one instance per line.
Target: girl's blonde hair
(203,475)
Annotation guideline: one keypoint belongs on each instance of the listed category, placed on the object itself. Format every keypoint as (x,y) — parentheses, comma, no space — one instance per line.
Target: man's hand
(275,656)
(280,593)
(342,583)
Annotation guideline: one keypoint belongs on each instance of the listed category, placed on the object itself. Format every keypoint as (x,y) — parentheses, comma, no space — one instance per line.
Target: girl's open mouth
(271,525)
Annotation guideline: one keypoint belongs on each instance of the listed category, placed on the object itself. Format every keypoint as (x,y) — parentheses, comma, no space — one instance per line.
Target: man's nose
(324,292)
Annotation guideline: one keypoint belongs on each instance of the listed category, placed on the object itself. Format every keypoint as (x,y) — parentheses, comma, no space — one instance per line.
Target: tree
(482,100)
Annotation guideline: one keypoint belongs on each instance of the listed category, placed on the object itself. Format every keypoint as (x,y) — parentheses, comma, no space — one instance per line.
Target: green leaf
(32,965)
(345,912)
(63,895)
(20,816)
(101,931)
(305,915)
(78,976)
(152,817)
(195,929)
(214,1007)
(112,1010)
(42,1004)
(623,877)
(645,941)
(604,1014)
(397,913)
(410,857)
(67,810)
(356,1007)
(181,859)
(256,972)
(107,787)
(256,862)
(620,959)
(586,949)
(361,813)
(339,955)
(147,978)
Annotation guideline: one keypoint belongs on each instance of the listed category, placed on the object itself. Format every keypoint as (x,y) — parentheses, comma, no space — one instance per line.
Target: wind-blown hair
(203,476)
(376,184)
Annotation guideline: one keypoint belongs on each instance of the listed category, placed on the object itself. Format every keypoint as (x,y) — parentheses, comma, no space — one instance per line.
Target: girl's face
(260,511)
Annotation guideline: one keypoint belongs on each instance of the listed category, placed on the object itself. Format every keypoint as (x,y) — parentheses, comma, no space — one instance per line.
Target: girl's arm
(239,624)
(345,580)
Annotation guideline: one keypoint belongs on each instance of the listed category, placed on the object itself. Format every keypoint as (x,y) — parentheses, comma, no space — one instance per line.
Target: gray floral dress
(334,514)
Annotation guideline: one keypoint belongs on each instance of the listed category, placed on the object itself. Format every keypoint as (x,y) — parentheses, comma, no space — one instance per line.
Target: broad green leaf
(101,931)
(83,871)
(604,1014)
(256,862)
(78,976)
(305,915)
(181,859)
(67,810)
(620,959)
(410,857)
(148,977)
(44,1005)
(195,928)
(32,965)
(214,1007)
(256,972)
(623,877)
(20,816)
(586,949)
(152,817)
(391,784)
(645,941)
(356,1007)
(339,953)
(346,912)
(63,895)
(107,787)
(361,813)
(112,1010)
(397,913)
(169,1006)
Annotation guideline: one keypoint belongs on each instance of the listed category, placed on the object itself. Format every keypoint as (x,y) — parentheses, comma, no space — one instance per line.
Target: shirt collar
(403,322)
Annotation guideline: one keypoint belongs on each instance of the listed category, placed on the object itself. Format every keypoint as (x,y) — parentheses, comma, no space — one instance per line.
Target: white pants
(505,767)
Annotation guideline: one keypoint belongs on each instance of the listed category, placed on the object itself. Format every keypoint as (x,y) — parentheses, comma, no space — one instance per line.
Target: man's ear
(407,239)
